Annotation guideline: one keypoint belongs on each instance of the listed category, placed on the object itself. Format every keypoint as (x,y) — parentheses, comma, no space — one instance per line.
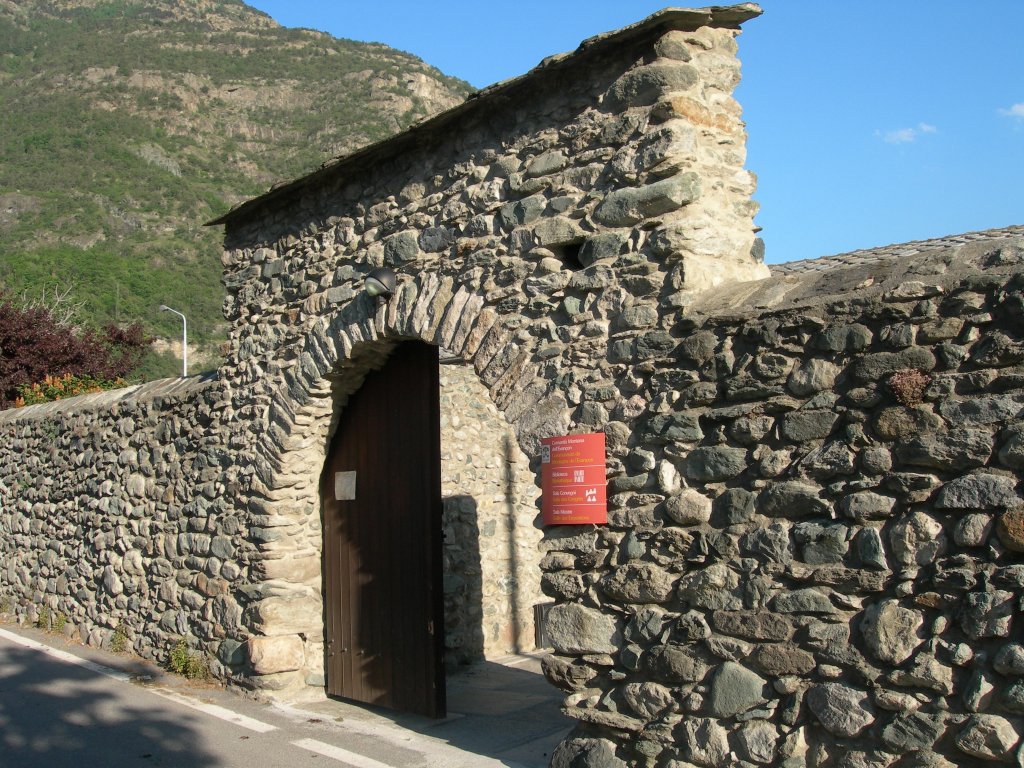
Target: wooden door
(382,540)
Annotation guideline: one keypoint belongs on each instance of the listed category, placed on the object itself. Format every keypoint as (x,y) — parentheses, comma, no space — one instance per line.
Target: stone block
(648,700)
(676,663)
(956,451)
(299,614)
(988,737)
(631,205)
(704,741)
(579,752)
(754,625)
(645,85)
(401,248)
(689,507)
(842,710)
(892,632)
(812,377)
(734,689)
(867,505)
(576,629)
(792,499)
(876,366)
(714,463)
(639,583)
(980,490)
(917,539)
(913,732)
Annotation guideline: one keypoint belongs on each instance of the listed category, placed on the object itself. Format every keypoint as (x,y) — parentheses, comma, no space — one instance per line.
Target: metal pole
(184,338)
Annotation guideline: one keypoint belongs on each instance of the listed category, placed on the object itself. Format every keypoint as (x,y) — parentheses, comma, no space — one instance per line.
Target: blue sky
(870,122)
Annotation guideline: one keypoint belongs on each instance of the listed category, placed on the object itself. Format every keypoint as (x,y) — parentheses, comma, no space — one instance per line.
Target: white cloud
(1017,110)
(906,135)
(902,136)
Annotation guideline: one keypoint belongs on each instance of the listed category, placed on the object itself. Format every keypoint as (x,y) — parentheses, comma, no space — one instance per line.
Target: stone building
(813,552)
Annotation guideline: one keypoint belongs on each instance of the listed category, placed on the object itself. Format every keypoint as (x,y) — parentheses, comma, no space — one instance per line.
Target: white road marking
(339,754)
(68,658)
(214,710)
(428,750)
(209,709)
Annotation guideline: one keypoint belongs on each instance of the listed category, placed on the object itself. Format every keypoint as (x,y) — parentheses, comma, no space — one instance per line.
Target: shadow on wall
(521,604)
(61,716)
(463,582)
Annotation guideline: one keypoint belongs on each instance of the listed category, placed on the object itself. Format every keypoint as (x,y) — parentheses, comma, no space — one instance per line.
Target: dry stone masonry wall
(114,520)
(543,233)
(814,549)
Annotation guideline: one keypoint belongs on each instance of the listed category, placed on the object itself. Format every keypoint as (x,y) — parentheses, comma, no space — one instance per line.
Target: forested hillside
(126,125)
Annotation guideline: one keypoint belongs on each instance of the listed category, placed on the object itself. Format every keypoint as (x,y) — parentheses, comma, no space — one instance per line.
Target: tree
(35,344)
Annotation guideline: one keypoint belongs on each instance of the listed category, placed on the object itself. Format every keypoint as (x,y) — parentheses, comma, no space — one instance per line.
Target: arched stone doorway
(494,568)
(551,233)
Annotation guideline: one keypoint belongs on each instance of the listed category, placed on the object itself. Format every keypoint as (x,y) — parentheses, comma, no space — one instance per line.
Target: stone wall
(544,233)
(491,538)
(114,521)
(814,556)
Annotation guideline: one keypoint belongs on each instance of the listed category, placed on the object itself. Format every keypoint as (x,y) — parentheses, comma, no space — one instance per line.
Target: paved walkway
(62,703)
(502,709)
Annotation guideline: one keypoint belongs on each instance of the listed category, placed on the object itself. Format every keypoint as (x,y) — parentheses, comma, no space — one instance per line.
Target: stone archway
(552,233)
(286,650)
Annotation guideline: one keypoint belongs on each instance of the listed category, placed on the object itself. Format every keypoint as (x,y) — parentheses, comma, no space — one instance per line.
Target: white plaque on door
(345,486)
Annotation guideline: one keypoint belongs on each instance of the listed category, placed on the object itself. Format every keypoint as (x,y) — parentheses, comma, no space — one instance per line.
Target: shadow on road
(54,715)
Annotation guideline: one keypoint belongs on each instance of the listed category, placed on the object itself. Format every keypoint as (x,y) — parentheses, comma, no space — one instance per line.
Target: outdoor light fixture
(380,283)
(184,338)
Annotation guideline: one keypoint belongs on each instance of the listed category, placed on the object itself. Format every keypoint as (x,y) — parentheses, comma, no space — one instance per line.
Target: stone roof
(682,19)
(892,272)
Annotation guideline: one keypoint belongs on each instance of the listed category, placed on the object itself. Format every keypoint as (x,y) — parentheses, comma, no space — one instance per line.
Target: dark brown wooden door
(382,540)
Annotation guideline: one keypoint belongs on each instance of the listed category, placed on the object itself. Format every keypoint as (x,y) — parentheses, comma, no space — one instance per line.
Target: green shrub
(186,663)
(119,640)
(50,621)
(60,387)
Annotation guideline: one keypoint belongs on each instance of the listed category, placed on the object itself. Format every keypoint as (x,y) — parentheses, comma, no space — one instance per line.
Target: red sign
(572,480)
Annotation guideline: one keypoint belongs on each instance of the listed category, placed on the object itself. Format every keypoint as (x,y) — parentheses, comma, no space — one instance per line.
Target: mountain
(126,124)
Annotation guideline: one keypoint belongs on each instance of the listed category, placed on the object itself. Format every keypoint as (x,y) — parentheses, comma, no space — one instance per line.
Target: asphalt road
(67,705)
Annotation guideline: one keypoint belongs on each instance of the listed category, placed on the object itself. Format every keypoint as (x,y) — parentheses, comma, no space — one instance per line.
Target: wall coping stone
(177,387)
(903,272)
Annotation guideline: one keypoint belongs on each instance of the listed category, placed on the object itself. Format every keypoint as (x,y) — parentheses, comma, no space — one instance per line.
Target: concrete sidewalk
(503,709)
(501,713)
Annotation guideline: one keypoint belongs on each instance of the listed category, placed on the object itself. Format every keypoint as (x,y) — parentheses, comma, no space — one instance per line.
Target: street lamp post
(184,338)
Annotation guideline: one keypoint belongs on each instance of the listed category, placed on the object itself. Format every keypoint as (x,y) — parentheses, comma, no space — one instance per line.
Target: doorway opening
(491,565)
(431,545)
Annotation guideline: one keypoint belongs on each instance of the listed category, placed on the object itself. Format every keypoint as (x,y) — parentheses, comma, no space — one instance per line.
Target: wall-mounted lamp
(380,284)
